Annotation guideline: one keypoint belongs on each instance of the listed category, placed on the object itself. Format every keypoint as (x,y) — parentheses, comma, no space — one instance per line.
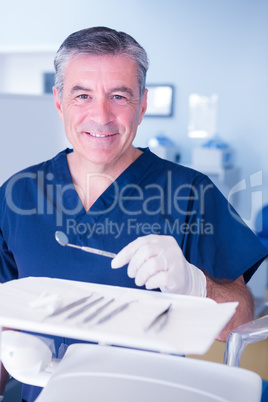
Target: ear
(58,102)
(143,105)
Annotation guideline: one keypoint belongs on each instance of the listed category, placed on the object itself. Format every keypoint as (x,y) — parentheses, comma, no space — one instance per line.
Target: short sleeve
(221,243)
(8,268)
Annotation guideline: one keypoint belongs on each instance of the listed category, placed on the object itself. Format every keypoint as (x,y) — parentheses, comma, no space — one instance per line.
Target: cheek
(131,117)
(72,118)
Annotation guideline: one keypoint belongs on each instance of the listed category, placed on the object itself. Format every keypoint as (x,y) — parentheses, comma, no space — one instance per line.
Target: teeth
(99,135)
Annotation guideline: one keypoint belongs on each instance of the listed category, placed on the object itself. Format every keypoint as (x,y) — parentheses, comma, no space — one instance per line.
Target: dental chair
(104,373)
(240,338)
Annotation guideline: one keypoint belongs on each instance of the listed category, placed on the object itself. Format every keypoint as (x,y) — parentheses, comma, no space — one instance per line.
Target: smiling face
(101,108)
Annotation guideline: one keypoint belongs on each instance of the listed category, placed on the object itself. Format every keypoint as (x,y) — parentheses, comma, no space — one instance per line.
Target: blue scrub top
(151,196)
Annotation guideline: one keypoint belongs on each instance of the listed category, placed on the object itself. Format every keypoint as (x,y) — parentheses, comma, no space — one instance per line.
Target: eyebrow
(78,88)
(124,89)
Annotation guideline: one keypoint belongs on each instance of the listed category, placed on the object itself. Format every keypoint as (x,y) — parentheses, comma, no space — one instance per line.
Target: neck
(91,180)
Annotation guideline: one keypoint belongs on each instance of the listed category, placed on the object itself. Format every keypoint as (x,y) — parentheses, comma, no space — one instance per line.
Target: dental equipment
(115,311)
(84,308)
(63,240)
(160,319)
(96,312)
(69,306)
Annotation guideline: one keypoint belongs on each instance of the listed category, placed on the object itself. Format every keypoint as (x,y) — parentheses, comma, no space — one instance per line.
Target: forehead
(102,68)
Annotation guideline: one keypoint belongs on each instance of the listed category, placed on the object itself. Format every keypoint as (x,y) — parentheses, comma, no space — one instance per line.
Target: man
(168,224)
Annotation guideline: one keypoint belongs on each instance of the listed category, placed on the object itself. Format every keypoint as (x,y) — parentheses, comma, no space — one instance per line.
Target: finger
(147,270)
(159,280)
(125,255)
(165,281)
(143,254)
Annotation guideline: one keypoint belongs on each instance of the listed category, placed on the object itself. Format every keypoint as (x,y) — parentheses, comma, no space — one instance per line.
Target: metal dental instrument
(69,306)
(160,319)
(115,311)
(63,240)
(96,312)
(84,308)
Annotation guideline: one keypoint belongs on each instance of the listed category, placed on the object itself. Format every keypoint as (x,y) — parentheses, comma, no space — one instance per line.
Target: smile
(100,135)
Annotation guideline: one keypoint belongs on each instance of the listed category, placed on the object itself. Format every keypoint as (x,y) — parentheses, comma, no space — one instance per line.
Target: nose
(101,111)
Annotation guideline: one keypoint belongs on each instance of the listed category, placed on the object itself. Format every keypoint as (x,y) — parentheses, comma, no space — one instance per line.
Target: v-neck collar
(131,175)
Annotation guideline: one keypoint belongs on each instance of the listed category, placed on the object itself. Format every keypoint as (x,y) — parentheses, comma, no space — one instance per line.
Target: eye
(83,96)
(120,99)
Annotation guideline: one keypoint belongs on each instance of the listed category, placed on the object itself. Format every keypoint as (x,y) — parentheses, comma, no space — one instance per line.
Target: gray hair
(100,41)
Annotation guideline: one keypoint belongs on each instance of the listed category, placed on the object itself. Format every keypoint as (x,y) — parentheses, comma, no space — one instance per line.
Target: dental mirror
(63,240)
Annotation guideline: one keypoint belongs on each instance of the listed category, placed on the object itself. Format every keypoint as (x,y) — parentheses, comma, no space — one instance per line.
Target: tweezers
(96,312)
(115,311)
(69,306)
(84,308)
(160,320)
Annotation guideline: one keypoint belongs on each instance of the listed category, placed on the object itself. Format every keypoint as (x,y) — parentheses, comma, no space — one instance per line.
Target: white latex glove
(157,261)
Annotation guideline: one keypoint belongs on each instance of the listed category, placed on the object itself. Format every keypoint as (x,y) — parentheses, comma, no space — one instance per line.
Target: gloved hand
(157,261)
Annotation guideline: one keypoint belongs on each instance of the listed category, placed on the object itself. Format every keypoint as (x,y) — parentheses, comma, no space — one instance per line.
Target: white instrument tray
(192,326)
